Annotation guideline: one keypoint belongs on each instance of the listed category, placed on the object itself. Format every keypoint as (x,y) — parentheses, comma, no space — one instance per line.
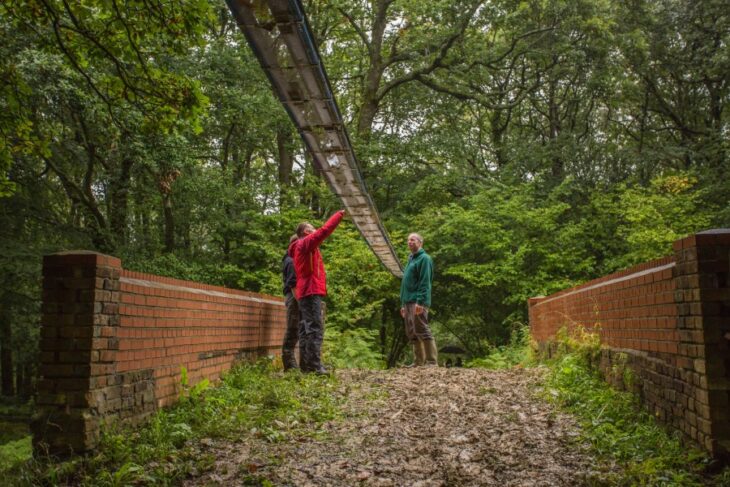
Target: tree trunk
(19,380)
(398,340)
(227,147)
(556,169)
(314,202)
(119,196)
(146,227)
(368,111)
(370,97)
(84,203)
(498,128)
(25,389)
(169,222)
(397,348)
(286,161)
(383,330)
(6,356)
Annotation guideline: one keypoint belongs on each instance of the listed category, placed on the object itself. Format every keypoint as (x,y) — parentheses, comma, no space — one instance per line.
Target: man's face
(309,229)
(413,243)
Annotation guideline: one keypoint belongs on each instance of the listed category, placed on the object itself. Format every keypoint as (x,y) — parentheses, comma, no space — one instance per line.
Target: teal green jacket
(417,278)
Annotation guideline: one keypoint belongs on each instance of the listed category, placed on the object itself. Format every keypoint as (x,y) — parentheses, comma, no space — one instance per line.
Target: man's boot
(431,358)
(419,354)
(288,359)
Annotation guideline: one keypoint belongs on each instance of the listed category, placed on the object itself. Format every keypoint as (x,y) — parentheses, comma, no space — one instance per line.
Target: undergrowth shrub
(250,400)
(519,351)
(15,440)
(355,348)
(618,429)
(13,453)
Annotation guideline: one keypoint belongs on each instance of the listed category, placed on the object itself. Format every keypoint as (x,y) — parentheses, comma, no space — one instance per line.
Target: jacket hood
(290,252)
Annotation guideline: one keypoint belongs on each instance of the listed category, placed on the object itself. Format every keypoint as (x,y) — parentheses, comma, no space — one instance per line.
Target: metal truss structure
(280,36)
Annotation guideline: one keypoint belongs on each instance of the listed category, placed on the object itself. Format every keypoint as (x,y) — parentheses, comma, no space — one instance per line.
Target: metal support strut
(280,36)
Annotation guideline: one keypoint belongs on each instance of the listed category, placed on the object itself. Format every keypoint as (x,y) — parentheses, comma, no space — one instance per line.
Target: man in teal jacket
(415,298)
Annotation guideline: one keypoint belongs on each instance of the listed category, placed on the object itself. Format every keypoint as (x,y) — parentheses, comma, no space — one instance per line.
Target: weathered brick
(83,346)
(704,426)
(107,355)
(47,399)
(75,332)
(57,370)
(76,356)
(101,369)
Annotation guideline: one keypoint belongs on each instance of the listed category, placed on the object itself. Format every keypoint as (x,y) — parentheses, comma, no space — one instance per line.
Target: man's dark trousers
(311,333)
(292,332)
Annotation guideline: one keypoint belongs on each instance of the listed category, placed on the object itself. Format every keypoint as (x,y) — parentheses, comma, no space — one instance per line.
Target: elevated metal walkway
(280,36)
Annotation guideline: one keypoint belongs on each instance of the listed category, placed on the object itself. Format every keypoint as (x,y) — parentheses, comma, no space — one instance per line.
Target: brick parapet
(666,320)
(703,300)
(78,341)
(113,343)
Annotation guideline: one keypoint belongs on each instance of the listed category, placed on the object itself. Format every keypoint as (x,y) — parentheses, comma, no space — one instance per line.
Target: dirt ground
(421,427)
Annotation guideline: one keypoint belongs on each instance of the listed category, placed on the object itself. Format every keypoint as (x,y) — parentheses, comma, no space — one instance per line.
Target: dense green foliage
(535,144)
(250,400)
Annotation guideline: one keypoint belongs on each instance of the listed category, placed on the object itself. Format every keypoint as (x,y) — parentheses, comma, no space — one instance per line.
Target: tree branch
(357,28)
(437,62)
(75,193)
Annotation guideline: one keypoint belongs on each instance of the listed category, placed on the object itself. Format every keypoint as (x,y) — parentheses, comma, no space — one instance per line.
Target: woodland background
(535,145)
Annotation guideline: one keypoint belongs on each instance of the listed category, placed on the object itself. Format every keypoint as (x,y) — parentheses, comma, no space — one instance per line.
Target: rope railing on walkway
(280,36)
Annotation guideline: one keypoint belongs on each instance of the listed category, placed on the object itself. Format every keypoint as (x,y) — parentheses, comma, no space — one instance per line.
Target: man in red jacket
(311,288)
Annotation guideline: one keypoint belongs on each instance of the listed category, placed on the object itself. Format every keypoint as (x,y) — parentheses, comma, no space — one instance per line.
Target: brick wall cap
(644,266)
(81,257)
(715,231)
(713,236)
(193,285)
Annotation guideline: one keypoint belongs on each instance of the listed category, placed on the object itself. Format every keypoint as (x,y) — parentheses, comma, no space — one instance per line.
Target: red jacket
(311,277)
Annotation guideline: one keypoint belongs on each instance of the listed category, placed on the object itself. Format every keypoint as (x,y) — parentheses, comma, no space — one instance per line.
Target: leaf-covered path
(420,427)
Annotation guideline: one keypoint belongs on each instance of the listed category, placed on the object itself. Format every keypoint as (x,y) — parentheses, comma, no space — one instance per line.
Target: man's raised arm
(314,239)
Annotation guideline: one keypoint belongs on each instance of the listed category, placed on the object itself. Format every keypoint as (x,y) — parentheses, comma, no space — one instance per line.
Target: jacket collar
(413,256)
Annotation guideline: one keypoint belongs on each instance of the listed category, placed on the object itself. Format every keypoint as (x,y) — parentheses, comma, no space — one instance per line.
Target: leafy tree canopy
(535,145)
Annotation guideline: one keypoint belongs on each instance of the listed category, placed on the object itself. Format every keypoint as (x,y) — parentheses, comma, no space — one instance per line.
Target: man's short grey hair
(417,235)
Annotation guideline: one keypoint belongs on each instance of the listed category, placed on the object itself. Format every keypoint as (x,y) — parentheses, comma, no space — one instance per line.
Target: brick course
(667,320)
(113,343)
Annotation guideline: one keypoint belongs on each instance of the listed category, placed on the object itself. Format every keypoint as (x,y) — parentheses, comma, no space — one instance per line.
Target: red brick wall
(166,324)
(633,308)
(113,343)
(667,320)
